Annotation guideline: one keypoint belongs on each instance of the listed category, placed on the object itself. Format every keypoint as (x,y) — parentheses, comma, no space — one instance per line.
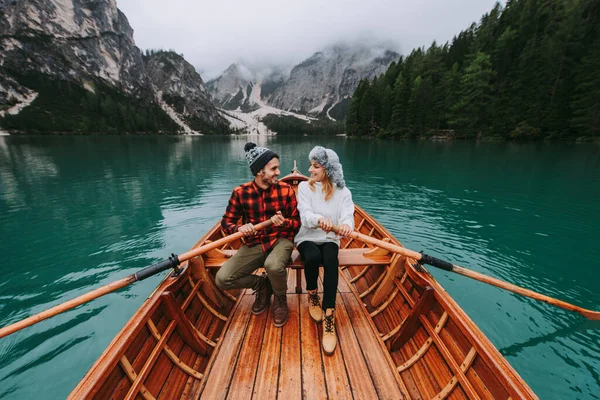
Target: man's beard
(271,181)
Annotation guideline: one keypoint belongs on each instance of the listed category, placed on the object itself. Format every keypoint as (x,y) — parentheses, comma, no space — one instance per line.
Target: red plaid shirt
(252,204)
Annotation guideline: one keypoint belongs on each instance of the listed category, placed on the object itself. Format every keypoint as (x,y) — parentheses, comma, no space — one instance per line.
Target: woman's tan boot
(329,338)
(314,306)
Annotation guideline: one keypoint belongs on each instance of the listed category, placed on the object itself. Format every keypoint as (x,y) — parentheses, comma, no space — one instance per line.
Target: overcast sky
(213,34)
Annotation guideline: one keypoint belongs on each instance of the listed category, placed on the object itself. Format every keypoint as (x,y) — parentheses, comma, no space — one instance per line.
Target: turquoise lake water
(79,212)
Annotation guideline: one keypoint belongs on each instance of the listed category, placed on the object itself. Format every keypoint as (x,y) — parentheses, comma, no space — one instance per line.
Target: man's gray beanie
(258,157)
(330,162)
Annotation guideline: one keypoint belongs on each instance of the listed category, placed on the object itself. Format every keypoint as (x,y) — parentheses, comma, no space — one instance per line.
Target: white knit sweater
(312,206)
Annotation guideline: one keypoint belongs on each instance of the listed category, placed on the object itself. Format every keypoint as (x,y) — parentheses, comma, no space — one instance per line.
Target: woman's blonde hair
(327,186)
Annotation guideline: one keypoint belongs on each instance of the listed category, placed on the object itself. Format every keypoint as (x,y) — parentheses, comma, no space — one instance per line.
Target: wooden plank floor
(258,361)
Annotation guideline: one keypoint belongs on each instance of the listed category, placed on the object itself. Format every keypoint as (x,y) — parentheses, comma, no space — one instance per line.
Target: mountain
(176,82)
(233,88)
(323,83)
(73,66)
(319,86)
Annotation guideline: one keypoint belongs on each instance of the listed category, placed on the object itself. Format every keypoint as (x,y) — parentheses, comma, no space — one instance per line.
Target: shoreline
(577,140)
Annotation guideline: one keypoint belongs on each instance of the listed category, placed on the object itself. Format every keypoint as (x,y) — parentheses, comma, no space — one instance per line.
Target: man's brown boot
(280,310)
(329,338)
(314,306)
(263,295)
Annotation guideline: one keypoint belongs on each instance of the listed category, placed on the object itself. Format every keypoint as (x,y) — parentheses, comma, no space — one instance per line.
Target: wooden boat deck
(259,361)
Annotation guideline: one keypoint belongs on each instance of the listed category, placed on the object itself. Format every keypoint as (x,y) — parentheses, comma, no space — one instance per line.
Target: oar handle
(445,265)
(171,262)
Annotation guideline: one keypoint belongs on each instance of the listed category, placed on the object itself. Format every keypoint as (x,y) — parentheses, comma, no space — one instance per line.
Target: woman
(323,201)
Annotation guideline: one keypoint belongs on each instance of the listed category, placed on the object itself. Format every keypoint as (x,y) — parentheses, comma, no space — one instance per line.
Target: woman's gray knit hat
(258,157)
(331,162)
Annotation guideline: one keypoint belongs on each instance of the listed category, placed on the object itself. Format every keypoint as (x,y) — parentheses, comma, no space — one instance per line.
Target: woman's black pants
(325,254)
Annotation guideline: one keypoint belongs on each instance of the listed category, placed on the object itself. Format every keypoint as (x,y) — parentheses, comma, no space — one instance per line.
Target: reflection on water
(79,212)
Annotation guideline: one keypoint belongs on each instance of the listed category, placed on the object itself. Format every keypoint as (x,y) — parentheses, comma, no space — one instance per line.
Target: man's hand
(344,230)
(247,230)
(278,219)
(325,224)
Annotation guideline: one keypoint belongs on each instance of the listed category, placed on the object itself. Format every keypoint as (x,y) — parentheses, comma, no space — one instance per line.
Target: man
(253,202)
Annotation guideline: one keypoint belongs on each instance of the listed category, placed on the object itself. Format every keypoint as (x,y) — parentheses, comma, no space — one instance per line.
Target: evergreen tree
(386,107)
(586,99)
(398,122)
(472,110)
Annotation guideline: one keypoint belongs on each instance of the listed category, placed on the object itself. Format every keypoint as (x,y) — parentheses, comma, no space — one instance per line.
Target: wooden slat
(361,274)
(464,382)
(356,366)
(313,377)
(198,270)
(156,379)
(387,357)
(244,375)
(209,307)
(177,378)
(136,355)
(267,373)
(219,377)
(372,287)
(336,379)
(452,384)
(183,366)
(384,377)
(411,323)
(423,349)
(190,295)
(467,387)
(290,377)
(133,376)
(508,379)
(384,305)
(346,257)
(184,327)
(147,368)
(387,285)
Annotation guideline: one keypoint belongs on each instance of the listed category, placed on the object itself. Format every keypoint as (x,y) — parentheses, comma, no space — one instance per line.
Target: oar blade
(593,315)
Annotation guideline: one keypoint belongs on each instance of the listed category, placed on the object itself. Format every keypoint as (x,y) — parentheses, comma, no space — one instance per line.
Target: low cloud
(263,33)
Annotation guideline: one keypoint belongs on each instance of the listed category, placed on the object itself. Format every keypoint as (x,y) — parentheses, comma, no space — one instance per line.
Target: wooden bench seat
(346,257)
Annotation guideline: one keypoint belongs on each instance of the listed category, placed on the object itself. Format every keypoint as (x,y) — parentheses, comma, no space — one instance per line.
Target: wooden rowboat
(400,336)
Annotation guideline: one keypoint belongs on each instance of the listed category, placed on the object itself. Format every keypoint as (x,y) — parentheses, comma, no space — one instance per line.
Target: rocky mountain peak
(60,48)
(181,87)
(329,77)
(321,83)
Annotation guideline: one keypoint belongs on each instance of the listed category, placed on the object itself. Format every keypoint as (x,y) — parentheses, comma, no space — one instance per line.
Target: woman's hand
(344,230)
(325,224)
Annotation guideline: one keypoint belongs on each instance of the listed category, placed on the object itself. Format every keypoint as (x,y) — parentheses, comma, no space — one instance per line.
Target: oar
(171,262)
(445,265)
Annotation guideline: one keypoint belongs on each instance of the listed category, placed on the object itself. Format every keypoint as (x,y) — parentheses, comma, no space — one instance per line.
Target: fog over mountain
(262,33)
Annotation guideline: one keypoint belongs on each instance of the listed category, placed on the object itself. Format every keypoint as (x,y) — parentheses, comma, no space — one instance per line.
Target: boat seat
(346,257)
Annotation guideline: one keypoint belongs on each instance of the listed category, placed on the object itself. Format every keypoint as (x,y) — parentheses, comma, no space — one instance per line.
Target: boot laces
(259,292)
(329,323)
(314,299)
(280,300)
